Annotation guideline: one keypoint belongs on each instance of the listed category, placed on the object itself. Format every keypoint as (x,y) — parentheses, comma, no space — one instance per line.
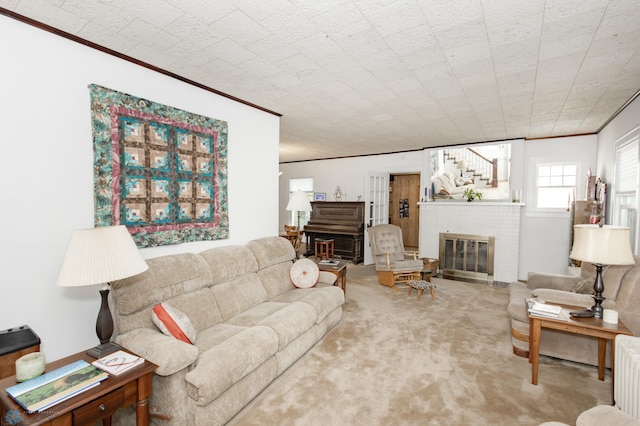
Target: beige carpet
(396,361)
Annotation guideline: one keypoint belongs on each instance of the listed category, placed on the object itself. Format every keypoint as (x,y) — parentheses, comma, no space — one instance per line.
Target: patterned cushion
(173,322)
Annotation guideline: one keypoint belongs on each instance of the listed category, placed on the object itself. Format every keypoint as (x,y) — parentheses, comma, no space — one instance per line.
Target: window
(555,185)
(625,188)
(305,185)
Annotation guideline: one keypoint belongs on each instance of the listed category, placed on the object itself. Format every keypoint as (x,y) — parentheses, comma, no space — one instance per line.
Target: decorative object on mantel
(338,194)
(100,256)
(470,194)
(158,170)
(601,245)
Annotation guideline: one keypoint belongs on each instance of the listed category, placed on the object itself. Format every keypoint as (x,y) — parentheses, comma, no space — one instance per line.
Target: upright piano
(342,221)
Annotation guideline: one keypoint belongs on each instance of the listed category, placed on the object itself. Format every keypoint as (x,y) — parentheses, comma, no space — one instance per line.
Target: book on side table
(51,388)
(118,362)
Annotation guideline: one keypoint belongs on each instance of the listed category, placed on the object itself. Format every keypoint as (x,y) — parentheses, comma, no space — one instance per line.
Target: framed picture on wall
(319,196)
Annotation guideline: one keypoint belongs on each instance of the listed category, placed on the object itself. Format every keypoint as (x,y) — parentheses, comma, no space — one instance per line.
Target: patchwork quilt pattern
(158,170)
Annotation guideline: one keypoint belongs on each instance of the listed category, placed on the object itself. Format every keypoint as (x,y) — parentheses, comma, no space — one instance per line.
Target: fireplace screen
(467,257)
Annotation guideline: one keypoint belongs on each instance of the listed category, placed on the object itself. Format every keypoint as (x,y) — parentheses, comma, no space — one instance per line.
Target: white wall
(626,121)
(47,173)
(544,237)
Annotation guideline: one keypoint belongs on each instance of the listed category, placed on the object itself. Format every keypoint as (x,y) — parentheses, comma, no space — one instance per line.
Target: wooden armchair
(392,264)
(293,235)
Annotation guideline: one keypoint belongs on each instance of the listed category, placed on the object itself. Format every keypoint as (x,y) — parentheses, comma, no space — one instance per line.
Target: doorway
(404,195)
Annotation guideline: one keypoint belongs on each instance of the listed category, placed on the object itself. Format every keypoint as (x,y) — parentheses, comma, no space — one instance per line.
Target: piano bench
(324,248)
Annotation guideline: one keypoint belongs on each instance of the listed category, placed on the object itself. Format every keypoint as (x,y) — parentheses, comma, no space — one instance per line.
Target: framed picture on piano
(319,196)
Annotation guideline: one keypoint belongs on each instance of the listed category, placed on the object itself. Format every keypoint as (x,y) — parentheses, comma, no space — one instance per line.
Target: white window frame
(532,196)
(621,190)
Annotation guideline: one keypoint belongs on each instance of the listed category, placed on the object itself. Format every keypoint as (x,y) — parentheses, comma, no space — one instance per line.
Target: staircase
(482,168)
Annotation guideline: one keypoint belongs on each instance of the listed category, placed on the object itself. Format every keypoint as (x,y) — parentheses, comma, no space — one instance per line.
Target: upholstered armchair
(393,265)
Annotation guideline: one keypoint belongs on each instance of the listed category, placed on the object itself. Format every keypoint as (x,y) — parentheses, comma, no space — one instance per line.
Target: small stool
(421,285)
(324,248)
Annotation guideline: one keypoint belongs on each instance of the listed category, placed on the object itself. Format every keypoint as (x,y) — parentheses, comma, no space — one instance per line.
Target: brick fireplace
(467,257)
(500,220)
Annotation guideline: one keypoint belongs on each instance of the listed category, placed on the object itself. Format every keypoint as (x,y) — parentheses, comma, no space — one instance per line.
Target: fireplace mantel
(492,218)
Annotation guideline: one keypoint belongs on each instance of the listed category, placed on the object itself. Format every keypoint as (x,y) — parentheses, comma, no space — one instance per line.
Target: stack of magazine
(51,388)
(540,309)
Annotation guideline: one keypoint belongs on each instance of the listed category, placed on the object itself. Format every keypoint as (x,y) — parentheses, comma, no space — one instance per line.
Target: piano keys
(342,221)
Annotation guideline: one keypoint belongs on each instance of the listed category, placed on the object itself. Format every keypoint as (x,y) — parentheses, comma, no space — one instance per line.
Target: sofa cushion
(585,285)
(239,295)
(291,322)
(173,322)
(167,277)
(275,279)
(229,262)
(253,316)
(215,335)
(324,300)
(226,363)
(271,250)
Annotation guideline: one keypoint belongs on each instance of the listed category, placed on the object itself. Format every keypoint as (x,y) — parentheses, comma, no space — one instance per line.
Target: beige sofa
(447,185)
(622,293)
(251,324)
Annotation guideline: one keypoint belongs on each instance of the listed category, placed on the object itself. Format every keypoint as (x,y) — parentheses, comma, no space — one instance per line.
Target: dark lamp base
(102,349)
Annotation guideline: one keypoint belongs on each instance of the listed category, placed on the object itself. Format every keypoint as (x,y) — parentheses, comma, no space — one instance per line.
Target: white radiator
(626,391)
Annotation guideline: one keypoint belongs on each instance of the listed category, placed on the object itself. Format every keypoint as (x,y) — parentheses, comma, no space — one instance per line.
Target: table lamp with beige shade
(99,256)
(601,245)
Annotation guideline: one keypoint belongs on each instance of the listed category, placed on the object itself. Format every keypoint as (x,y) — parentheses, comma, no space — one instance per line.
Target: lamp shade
(100,255)
(606,245)
(299,202)
(462,164)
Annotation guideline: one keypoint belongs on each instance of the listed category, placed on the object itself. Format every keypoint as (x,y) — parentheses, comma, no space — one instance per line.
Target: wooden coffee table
(585,326)
(100,402)
(340,270)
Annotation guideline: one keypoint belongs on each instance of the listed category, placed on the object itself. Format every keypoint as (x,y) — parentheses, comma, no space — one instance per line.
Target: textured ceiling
(358,77)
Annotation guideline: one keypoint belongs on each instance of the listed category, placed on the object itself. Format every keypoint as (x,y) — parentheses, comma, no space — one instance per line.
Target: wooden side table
(100,402)
(339,270)
(586,326)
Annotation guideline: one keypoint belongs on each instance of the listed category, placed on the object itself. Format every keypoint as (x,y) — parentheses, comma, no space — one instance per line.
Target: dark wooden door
(403,207)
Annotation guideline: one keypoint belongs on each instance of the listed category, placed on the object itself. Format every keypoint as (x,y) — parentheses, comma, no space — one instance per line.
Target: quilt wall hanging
(158,170)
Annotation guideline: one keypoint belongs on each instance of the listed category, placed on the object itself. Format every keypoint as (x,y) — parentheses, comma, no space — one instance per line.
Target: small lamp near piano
(462,165)
(601,245)
(299,202)
(99,256)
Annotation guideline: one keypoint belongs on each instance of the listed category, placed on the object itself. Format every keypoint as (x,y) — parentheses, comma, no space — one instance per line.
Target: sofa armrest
(605,415)
(170,354)
(564,297)
(553,281)
(327,277)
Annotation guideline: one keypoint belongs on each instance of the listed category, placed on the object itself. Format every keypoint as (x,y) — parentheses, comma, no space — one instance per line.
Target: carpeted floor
(396,361)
